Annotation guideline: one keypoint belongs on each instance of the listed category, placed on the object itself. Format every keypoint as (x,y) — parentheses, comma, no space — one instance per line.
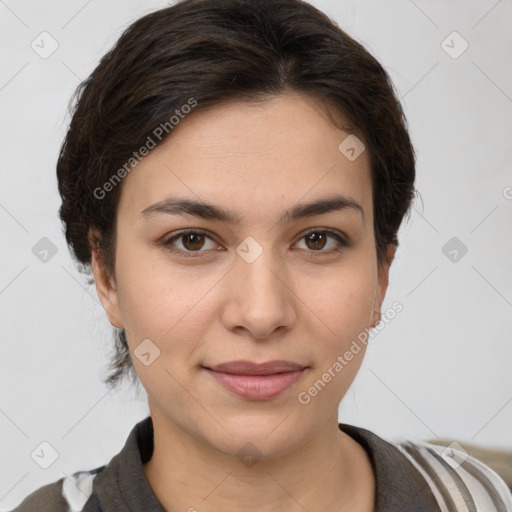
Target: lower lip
(257,387)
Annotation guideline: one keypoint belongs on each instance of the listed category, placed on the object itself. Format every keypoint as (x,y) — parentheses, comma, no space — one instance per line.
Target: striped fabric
(77,489)
(458,481)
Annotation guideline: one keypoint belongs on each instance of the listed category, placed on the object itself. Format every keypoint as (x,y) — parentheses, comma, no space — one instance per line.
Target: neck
(331,471)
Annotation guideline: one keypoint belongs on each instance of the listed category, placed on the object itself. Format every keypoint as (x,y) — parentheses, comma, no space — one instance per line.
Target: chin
(256,434)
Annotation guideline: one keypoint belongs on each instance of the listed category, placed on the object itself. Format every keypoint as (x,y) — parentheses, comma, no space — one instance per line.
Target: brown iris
(193,241)
(315,239)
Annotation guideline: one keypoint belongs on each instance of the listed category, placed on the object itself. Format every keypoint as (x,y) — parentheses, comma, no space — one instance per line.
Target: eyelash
(194,254)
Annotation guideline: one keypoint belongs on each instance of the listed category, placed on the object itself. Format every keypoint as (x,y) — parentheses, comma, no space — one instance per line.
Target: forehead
(256,157)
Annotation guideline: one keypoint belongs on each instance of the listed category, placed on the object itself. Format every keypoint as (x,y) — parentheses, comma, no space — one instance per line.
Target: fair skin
(300,300)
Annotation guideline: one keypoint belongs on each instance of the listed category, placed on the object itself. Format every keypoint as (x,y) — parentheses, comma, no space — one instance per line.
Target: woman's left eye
(193,241)
(316,240)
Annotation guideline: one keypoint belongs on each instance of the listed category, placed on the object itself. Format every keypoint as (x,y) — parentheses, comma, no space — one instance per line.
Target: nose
(259,297)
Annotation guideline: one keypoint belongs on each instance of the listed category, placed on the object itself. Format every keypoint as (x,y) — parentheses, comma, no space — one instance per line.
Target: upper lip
(250,368)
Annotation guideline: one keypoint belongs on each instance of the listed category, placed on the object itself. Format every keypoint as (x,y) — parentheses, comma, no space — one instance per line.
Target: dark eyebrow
(176,206)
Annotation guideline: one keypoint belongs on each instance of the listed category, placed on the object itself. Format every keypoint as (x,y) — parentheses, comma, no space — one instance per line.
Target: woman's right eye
(191,240)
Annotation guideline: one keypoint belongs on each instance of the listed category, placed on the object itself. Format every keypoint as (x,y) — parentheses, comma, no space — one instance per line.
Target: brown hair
(214,51)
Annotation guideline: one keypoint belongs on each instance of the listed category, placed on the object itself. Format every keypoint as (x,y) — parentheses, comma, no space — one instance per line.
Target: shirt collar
(122,485)
(399,485)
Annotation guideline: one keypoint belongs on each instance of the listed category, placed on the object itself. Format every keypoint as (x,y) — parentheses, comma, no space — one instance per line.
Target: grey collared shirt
(410,477)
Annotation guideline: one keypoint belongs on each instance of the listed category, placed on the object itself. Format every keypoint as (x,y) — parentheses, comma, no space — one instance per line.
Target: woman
(235,174)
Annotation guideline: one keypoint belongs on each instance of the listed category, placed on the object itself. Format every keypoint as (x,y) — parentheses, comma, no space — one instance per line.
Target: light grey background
(441,368)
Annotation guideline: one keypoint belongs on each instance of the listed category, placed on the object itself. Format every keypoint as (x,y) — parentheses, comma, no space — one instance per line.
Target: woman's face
(259,287)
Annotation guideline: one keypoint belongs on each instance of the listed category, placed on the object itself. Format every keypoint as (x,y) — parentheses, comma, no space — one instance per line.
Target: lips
(255,381)
(250,368)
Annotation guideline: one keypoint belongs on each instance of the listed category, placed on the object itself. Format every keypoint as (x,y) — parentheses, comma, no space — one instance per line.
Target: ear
(105,285)
(382,286)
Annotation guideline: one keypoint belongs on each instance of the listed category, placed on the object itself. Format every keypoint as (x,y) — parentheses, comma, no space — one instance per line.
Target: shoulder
(419,475)
(64,495)
(458,480)
(48,498)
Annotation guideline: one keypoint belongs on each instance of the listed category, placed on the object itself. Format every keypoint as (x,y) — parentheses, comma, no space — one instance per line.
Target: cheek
(342,310)
(343,302)
(159,301)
